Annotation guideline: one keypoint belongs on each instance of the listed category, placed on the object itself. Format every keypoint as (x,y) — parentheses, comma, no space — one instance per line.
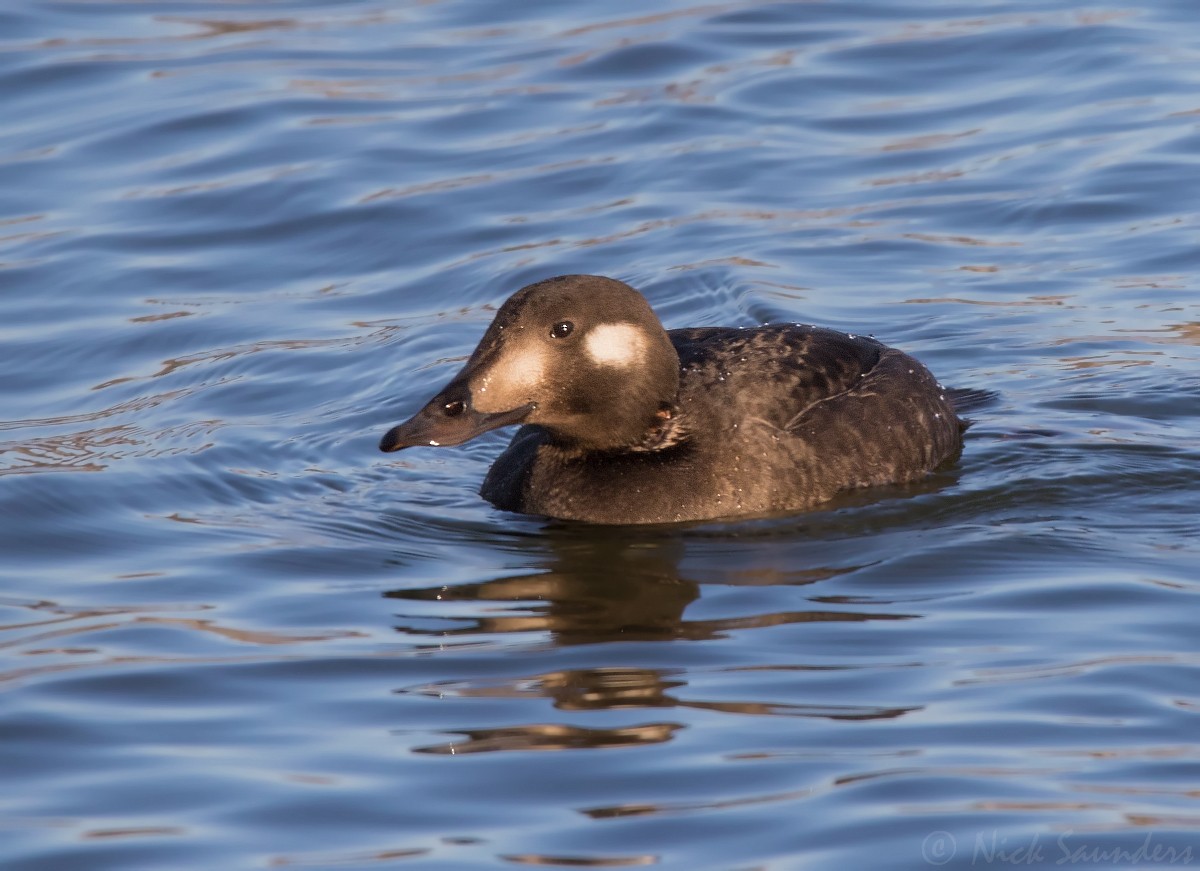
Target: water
(240,240)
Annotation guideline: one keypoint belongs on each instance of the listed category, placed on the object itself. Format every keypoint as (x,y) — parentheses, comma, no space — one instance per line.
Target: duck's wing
(857,411)
(778,372)
(883,417)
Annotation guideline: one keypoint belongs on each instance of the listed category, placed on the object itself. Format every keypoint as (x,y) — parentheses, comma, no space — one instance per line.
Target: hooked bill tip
(448,426)
(395,439)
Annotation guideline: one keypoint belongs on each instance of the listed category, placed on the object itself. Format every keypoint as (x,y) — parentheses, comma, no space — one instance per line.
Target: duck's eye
(454,409)
(561,330)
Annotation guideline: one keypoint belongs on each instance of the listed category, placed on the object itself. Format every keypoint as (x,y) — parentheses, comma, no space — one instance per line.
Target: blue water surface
(238,240)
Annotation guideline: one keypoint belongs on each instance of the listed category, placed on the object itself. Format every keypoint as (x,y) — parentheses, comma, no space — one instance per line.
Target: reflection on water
(551,737)
(598,588)
(236,241)
(605,689)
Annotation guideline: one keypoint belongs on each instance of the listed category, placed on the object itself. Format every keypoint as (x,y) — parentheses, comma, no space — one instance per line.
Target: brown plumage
(628,423)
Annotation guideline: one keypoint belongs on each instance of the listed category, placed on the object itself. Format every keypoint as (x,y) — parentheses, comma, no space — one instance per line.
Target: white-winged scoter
(625,422)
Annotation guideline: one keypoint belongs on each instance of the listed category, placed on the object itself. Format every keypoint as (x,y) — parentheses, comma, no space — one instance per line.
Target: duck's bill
(443,422)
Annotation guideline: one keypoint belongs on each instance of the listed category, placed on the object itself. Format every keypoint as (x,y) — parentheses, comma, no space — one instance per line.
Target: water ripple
(239,241)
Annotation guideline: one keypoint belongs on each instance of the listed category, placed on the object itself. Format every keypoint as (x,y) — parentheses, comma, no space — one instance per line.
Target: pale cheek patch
(614,344)
(512,381)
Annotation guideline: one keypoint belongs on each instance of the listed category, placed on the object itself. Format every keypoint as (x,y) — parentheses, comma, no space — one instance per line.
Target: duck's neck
(667,431)
(664,429)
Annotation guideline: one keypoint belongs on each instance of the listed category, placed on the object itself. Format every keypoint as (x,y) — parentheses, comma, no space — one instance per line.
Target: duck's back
(768,419)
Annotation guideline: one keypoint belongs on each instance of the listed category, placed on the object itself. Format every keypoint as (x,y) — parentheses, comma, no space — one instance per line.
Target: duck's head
(582,356)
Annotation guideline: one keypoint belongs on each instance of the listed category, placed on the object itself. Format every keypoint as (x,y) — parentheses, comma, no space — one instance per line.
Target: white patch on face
(512,381)
(614,344)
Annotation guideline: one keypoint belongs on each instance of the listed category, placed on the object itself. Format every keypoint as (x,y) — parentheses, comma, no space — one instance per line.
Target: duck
(625,422)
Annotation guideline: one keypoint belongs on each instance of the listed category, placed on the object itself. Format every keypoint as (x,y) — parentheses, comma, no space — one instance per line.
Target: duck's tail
(968,399)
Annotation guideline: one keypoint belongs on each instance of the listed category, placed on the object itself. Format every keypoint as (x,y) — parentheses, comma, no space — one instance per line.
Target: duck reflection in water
(602,586)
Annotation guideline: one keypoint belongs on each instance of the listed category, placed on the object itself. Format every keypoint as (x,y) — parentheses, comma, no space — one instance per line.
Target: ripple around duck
(239,244)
